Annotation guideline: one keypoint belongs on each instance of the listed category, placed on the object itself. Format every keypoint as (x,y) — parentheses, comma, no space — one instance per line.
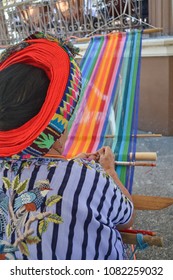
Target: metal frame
(81,18)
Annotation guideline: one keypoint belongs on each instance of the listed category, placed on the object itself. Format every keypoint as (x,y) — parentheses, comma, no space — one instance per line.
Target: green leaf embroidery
(45,142)
(7,183)
(7,165)
(53,199)
(15,182)
(24,248)
(51,164)
(8,230)
(54,218)
(42,227)
(32,240)
(22,186)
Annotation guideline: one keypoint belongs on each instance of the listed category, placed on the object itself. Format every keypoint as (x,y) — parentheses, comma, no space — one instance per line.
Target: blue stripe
(33,177)
(74,213)
(89,216)
(109,247)
(58,208)
(119,209)
(99,230)
(98,239)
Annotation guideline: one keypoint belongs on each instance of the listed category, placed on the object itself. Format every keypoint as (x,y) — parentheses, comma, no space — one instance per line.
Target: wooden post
(142,202)
(130,238)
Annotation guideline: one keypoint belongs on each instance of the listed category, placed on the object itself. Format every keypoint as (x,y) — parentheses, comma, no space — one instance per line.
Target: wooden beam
(130,238)
(152,30)
(146,31)
(142,202)
(143,156)
(142,135)
(135,163)
(144,232)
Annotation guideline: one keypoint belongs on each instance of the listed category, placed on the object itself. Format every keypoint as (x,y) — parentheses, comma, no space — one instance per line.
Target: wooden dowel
(142,202)
(130,238)
(135,231)
(150,156)
(146,31)
(143,135)
(135,163)
(152,30)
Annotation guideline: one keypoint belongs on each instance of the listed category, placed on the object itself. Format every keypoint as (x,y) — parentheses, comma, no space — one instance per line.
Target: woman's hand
(88,156)
(106,159)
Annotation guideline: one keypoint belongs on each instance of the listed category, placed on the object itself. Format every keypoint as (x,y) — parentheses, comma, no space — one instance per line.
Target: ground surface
(156,181)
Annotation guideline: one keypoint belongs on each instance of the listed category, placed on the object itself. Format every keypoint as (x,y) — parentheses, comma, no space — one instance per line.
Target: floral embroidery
(17,202)
(92,165)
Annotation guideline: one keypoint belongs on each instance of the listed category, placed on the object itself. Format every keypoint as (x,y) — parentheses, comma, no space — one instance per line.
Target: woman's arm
(107,161)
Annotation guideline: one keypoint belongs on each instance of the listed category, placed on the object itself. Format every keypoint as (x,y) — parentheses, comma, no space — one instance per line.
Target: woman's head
(40,89)
(23,90)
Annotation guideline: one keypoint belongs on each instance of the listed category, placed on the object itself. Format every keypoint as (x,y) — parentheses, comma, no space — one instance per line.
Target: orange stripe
(103,78)
(83,128)
(86,126)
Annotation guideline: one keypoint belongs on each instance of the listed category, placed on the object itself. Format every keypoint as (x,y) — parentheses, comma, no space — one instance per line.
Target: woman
(51,207)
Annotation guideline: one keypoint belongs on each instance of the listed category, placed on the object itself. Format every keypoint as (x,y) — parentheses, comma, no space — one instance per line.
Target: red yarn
(53,59)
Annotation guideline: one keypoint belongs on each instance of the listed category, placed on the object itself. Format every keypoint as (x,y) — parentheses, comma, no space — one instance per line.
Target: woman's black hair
(23,89)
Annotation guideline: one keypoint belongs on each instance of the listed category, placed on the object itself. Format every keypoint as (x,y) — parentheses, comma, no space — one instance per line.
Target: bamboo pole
(131,238)
(142,202)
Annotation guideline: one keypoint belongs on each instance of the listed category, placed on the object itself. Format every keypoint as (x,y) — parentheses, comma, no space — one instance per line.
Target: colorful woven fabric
(109,99)
(38,135)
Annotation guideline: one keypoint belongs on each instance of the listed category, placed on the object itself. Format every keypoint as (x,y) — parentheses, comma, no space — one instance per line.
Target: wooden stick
(152,30)
(146,31)
(134,163)
(131,238)
(151,156)
(143,135)
(135,231)
(142,202)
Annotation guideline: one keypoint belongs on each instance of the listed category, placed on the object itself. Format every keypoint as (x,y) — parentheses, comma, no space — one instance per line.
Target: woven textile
(109,100)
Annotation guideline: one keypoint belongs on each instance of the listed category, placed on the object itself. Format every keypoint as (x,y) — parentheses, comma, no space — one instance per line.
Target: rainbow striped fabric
(109,100)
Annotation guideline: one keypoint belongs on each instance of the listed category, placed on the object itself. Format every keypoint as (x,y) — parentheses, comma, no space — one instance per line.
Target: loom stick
(142,202)
(151,156)
(131,238)
(152,30)
(135,163)
(146,31)
(143,135)
(148,232)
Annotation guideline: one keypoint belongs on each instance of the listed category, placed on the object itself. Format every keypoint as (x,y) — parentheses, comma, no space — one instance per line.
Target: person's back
(51,207)
(64,209)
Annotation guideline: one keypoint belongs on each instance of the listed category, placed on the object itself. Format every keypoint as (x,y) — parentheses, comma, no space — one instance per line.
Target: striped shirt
(76,207)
